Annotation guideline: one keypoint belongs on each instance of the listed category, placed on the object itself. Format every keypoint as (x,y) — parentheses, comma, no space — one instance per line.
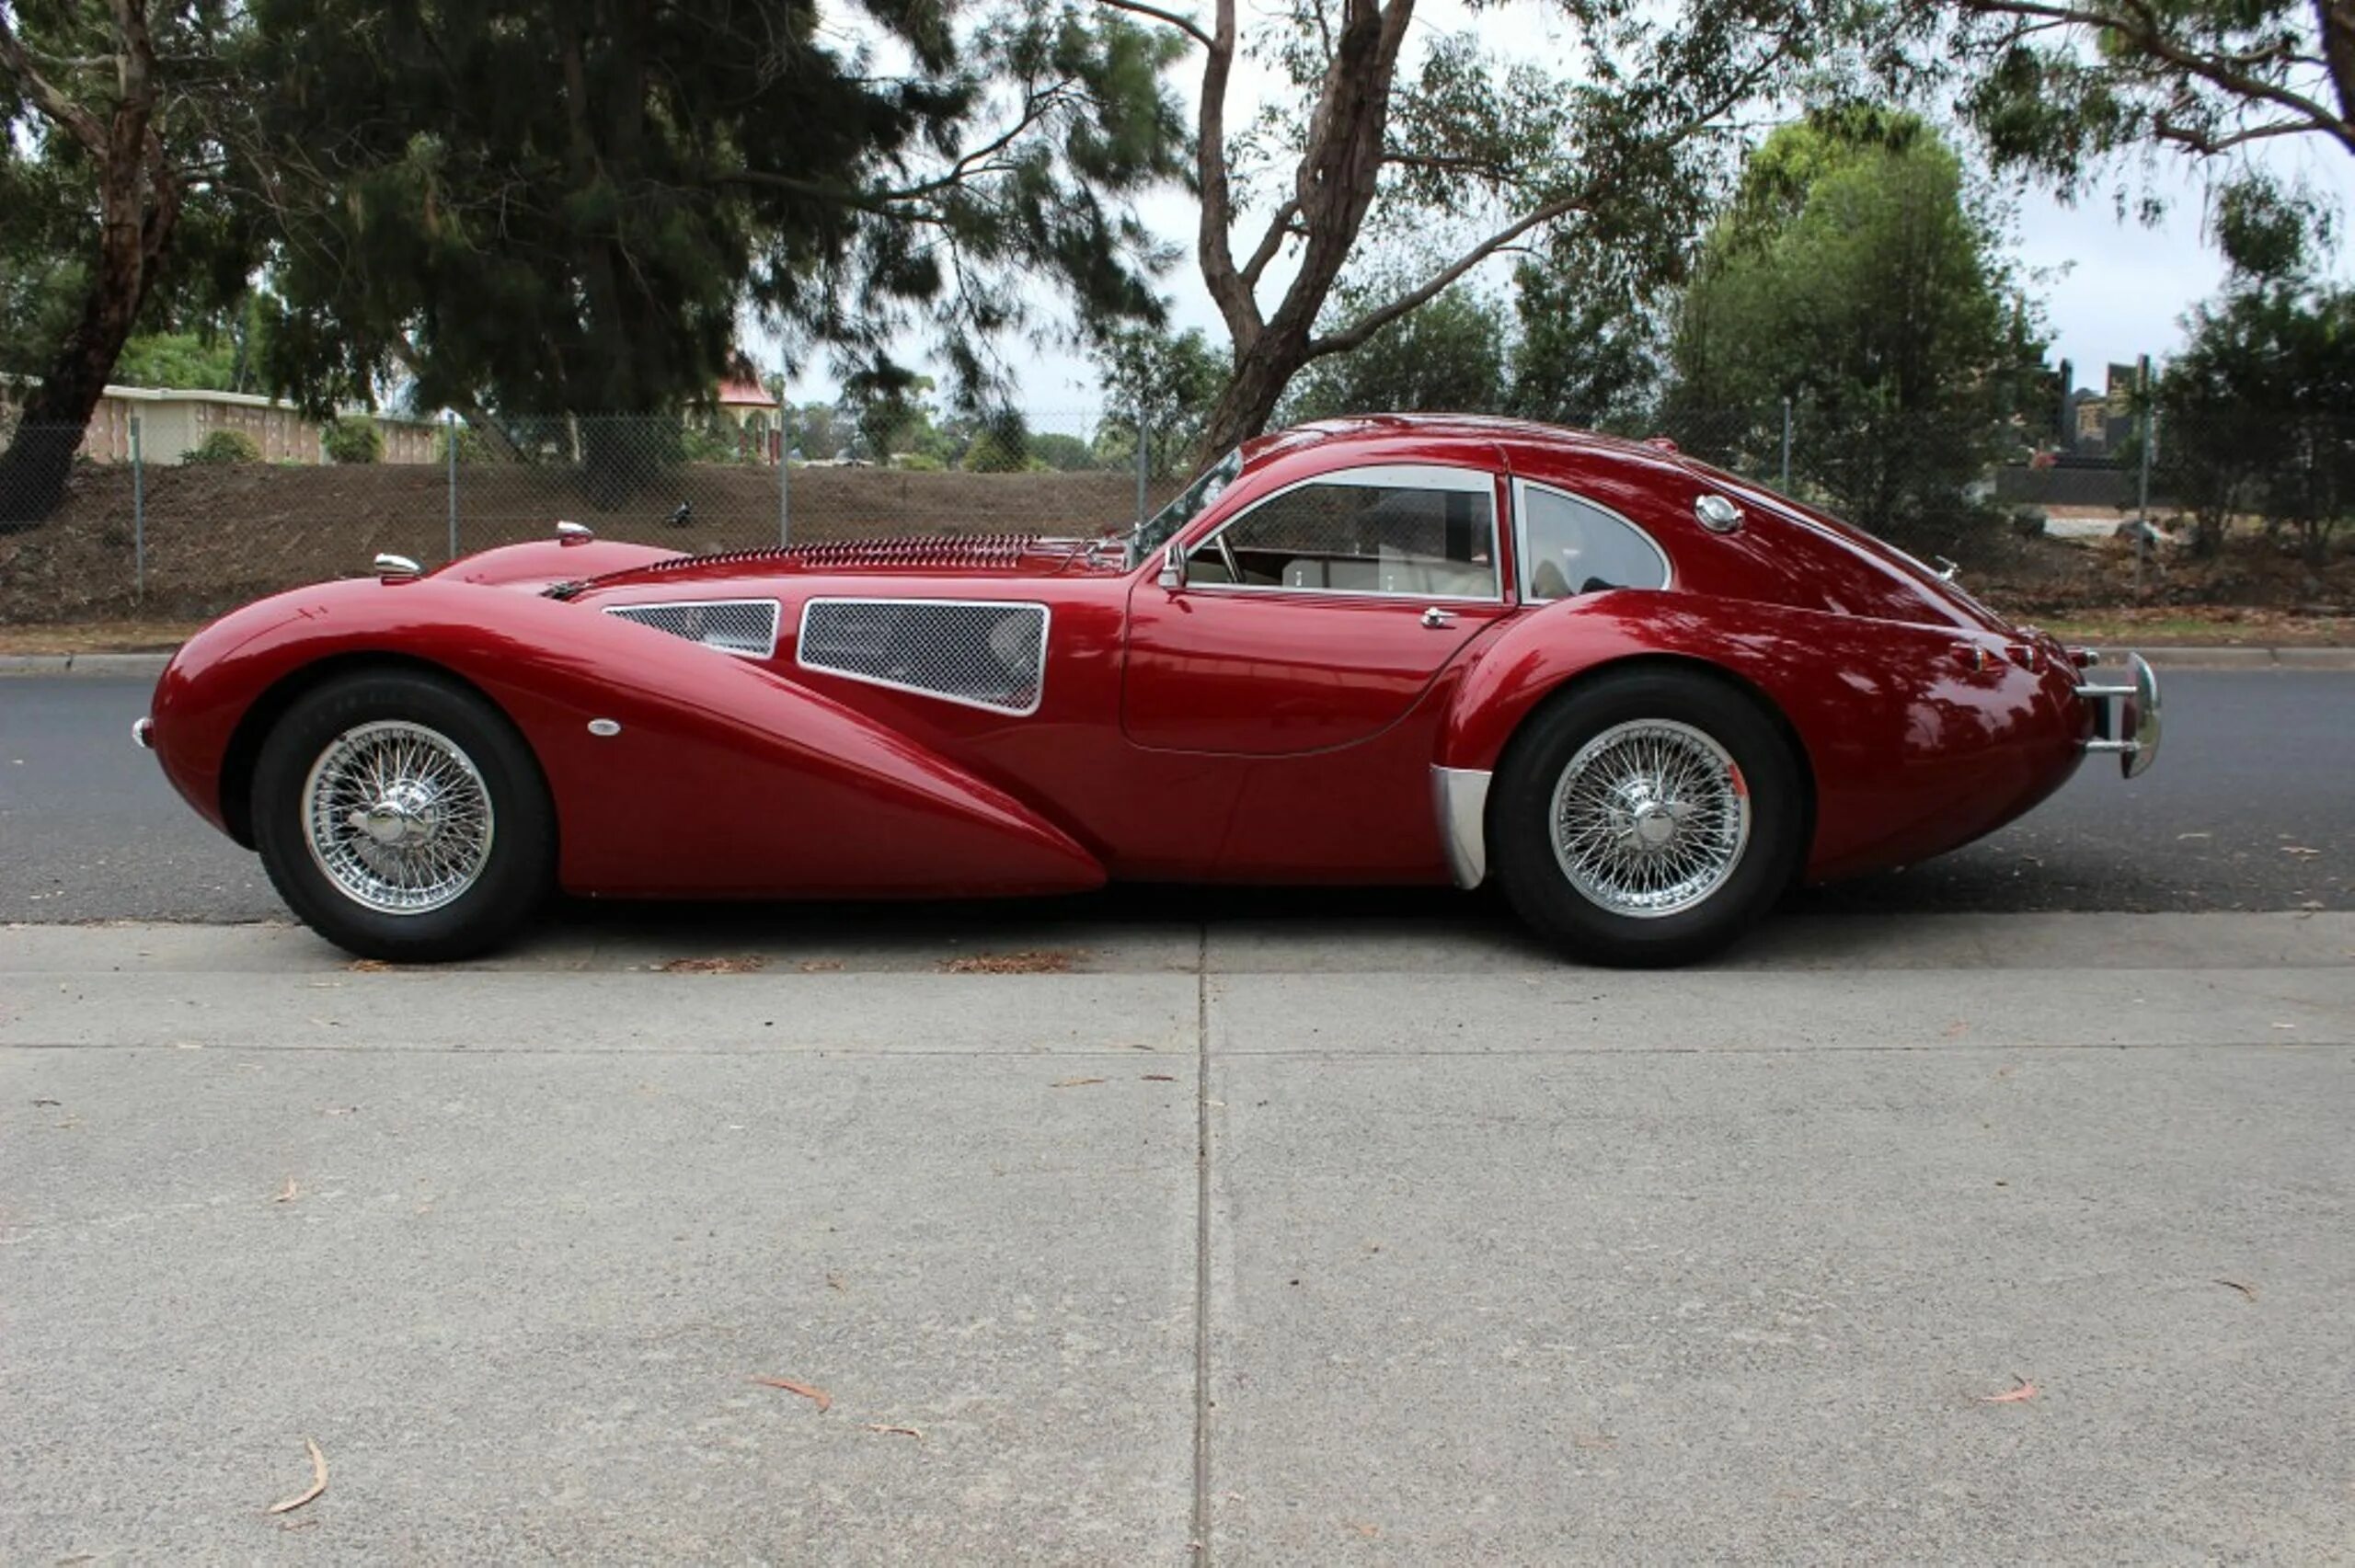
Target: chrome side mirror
(1173,568)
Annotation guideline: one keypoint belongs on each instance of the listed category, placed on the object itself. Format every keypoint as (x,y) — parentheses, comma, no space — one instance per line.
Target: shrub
(353,438)
(919,463)
(223,447)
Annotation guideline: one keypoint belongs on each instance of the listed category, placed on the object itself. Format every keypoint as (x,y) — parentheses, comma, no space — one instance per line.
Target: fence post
(138,517)
(1144,464)
(450,445)
(2143,484)
(1785,485)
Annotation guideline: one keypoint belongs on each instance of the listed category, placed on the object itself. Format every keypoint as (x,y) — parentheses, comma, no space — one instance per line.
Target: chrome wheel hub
(1651,817)
(398,817)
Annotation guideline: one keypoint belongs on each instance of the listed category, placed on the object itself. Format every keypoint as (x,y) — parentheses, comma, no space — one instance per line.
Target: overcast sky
(2112,287)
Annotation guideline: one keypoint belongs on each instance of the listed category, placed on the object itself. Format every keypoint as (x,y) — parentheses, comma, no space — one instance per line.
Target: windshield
(1156,531)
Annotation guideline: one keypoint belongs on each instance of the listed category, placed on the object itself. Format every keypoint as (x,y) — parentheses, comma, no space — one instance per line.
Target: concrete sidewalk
(1359,1244)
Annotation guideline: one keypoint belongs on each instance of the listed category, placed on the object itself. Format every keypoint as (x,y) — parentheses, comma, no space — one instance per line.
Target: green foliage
(1852,276)
(920,462)
(1171,379)
(2257,414)
(1003,447)
(2067,93)
(468,441)
(1449,356)
(222,447)
(179,360)
(352,438)
(569,205)
(1064,453)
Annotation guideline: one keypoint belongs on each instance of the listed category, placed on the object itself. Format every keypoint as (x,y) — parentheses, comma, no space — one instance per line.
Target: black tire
(1742,881)
(489,897)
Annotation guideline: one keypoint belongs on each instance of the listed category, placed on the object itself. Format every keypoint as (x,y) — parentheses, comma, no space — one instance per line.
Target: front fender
(725,777)
(1917,738)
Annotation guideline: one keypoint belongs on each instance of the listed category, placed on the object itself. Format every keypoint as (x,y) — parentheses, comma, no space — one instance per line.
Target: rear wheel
(1647,818)
(402,818)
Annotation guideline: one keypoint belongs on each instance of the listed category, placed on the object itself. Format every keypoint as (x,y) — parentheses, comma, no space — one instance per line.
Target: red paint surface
(1190,734)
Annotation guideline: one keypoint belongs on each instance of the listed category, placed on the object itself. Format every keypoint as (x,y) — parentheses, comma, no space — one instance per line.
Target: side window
(1360,533)
(1570,546)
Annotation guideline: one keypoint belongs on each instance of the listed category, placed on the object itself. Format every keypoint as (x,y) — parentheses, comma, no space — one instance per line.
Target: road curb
(121,666)
(2163,657)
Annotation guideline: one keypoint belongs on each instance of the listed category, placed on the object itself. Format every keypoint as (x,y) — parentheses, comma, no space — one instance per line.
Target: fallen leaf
(368,965)
(298,1524)
(1369,1531)
(915,1432)
(1031,961)
(288,1193)
(318,1482)
(2247,1290)
(1956,1030)
(743,964)
(45,1102)
(834,1282)
(2026,1392)
(825,1401)
(819,966)
(1073,1082)
(1594,1440)
(1161,1078)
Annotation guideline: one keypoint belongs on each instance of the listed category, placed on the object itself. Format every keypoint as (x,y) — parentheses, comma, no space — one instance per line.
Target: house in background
(746,411)
(173,422)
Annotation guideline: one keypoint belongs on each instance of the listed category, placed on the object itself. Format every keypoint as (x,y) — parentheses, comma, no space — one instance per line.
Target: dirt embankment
(216,537)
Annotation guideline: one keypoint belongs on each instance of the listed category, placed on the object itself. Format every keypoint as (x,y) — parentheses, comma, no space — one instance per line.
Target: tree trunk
(1249,399)
(139,206)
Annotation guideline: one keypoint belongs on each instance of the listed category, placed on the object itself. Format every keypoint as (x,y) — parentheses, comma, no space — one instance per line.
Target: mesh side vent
(987,654)
(746,626)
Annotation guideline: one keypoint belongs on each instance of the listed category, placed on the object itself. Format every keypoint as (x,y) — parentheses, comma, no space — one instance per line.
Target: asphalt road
(2252,807)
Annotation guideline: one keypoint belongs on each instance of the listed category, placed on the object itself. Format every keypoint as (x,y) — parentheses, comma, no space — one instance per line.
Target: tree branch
(2140,27)
(1228,289)
(1382,315)
(69,116)
(1170,18)
(1279,228)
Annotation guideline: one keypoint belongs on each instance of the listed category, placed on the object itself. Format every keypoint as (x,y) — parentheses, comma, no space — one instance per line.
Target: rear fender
(1916,738)
(708,774)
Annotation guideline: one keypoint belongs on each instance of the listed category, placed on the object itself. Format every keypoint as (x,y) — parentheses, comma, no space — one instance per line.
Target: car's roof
(1481,428)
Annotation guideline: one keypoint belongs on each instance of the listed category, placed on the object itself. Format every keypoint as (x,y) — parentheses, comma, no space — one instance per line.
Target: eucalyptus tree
(107,166)
(1624,117)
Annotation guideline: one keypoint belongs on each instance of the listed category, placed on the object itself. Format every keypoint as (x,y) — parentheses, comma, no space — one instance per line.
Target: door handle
(1435,618)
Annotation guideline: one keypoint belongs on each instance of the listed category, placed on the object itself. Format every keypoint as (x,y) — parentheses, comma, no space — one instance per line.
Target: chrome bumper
(2126,717)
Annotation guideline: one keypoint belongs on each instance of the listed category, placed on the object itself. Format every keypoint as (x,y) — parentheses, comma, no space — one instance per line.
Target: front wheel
(402,818)
(1647,818)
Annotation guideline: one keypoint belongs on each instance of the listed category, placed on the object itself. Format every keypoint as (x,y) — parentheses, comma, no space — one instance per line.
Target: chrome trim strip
(1046,649)
(775,609)
(1521,537)
(1460,797)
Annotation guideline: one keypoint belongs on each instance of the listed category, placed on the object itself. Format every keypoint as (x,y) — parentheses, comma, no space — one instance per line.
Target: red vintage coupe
(1643,696)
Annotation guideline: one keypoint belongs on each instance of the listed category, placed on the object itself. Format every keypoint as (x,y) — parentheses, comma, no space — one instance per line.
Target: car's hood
(993,556)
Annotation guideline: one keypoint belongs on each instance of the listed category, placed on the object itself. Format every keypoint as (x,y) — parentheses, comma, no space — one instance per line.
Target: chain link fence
(149,524)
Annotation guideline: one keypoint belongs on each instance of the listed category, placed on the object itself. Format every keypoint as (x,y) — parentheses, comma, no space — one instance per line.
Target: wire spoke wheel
(398,817)
(1649,819)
